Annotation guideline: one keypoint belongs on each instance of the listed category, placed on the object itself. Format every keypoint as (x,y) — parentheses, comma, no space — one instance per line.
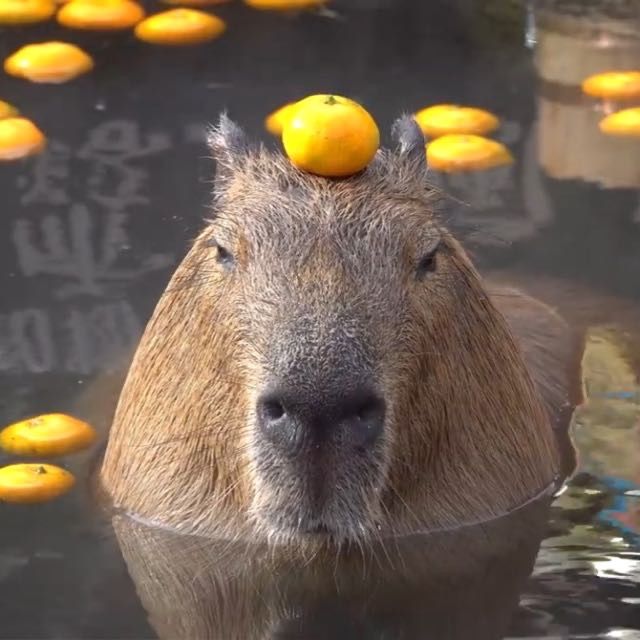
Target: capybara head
(325,363)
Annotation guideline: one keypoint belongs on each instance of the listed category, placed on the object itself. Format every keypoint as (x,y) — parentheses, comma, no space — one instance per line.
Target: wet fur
(451,586)
(468,434)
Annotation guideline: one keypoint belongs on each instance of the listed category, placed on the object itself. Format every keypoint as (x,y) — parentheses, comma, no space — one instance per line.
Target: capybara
(326,365)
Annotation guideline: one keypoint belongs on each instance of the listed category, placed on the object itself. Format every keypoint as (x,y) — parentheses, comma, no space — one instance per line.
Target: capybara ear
(228,143)
(409,139)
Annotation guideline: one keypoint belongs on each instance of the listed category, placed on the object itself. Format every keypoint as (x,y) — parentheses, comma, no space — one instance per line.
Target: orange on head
(48,62)
(180,27)
(26,11)
(613,85)
(461,152)
(330,136)
(100,15)
(442,119)
(19,138)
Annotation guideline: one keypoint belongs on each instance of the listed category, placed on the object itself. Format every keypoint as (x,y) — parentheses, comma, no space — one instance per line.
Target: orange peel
(13,12)
(465,152)
(285,5)
(330,136)
(31,483)
(442,119)
(624,123)
(274,122)
(613,85)
(51,434)
(182,26)
(19,138)
(100,15)
(52,62)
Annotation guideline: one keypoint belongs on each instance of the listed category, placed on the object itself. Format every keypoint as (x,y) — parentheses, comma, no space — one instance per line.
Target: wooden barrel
(570,48)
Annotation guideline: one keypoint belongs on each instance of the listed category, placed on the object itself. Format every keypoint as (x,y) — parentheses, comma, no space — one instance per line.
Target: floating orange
(26,11)
(625,123)
(285,5)
(19,138)
(180,27)
(100,15)
(442,119)
(52,434)
(7,110)
(53,62)
(274,122)
(613,85)
(195,3)
(29,483)
(462,152)
(330,136)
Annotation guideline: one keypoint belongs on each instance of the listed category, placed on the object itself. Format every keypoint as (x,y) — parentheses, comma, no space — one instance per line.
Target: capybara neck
(457,586)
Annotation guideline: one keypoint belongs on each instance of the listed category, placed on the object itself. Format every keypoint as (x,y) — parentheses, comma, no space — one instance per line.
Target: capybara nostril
(278,425)
(366,419)
(290,420)
(272,410)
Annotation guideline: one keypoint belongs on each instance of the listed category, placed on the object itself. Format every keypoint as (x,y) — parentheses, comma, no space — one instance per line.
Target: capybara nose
(291,422)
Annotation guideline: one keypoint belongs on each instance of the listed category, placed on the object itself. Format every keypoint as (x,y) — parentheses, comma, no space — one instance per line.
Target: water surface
(91,230)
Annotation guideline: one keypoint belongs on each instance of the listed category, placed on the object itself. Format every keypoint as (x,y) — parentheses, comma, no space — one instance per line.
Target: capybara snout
(320,455)
(320,437)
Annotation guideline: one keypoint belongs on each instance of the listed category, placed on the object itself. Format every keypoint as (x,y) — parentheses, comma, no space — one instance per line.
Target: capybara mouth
(332,493)
(341,527)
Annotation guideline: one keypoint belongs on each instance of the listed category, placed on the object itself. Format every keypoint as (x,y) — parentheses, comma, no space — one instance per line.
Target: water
(91,231)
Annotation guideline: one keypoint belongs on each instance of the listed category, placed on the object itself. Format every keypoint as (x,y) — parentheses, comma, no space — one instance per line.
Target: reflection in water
(462,584)
(571,47)
(74,259)
(595,523)
(571,40)
(607,426)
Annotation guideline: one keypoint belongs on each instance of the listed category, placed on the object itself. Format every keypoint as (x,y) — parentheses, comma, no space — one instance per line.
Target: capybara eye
(224,257)
(427,263)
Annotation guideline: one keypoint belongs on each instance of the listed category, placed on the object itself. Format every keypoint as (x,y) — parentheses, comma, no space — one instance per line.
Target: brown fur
(468,436)
(451,586)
